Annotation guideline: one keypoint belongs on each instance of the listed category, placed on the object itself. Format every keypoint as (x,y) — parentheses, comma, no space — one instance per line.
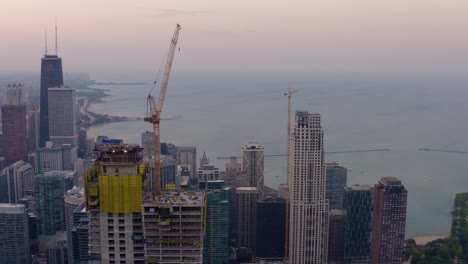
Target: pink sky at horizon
(322,35)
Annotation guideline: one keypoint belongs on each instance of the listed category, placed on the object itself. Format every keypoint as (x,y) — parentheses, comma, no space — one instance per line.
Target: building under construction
(114,195)
(173,228)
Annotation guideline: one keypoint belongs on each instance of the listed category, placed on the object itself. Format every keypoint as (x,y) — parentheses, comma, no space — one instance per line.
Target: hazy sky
(241,35)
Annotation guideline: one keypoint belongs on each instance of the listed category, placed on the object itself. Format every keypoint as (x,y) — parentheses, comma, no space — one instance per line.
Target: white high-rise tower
(308,236)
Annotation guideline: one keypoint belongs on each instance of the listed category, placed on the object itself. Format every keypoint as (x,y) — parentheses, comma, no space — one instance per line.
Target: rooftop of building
(246,189)
(252,146)
(114,150)
(269,199)
(65,174)
(189,198)
(76,194)
(6,208)
(390,181)
(359,187)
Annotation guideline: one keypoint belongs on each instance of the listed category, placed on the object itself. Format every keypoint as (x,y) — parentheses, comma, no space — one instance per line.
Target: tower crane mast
(155,114)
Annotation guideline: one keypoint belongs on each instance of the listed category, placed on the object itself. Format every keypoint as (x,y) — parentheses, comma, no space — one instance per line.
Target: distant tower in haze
(15,145)
(389,220)
(187,157)
(336,182)
(308,236)
(62,116)
(51,76)
(253,166)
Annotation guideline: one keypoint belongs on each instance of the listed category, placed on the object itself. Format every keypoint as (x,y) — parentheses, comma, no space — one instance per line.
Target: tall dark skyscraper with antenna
(51,76)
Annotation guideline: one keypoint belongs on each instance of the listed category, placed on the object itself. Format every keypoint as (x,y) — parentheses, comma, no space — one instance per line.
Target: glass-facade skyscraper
(217,236)
(358,204)
(336,182)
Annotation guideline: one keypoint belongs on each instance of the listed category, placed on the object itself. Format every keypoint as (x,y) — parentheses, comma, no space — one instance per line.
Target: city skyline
(76,190)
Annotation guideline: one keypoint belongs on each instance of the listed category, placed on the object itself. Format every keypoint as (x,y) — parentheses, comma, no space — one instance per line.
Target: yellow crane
(155,114)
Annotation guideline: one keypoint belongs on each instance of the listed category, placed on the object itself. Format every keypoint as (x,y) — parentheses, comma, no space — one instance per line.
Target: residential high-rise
(114,196)
(15,144)
(51,76)
(49,203)
(336,182)
(270,229)
(72,200)
(217,240)
(389,220)
(308,222)
(358,206)
(336,237)
(253,165)
(62,116)
(173,228)
(247,217)
(187,157)
(19,181)
(14,234)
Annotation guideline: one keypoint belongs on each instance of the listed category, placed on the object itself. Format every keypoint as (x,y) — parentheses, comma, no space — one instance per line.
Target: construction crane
(155,114)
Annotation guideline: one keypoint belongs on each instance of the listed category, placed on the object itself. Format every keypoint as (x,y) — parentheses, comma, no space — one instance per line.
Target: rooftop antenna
(45,38)
(56,48)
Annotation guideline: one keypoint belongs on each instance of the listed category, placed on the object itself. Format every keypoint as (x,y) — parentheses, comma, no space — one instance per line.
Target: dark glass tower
(270,228)
(51,76)
(358,226)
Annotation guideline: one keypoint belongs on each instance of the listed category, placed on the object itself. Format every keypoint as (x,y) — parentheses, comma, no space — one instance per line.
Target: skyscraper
(187,157)
(308,235)
(234,178)
(15,144)
(389,220)
(14,234)
(206,171)
(33,126)
(147,141)
(253,165)
(82,137)
(114,195)
(270,229)
(53,158)
(336,237)
(49,203)
(62,116)
(19,181)
(247,217)
(51,76)
(336,182)
(72,200)
(358,226)
(217,240)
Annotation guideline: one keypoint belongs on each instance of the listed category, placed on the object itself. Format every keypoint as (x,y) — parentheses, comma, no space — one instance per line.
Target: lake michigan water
(403,112)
